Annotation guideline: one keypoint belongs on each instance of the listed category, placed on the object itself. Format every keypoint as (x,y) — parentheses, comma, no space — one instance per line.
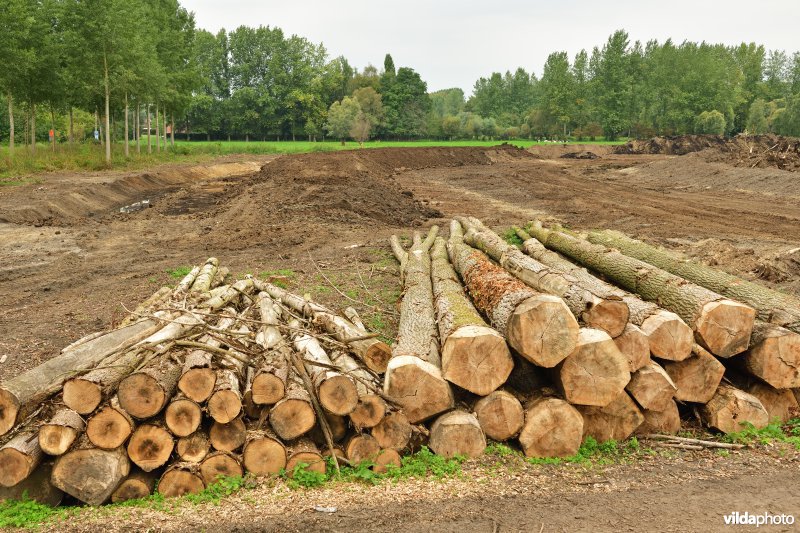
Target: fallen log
(781,404)
(219,464)
(303,454)
(697,377)
(540,327)
(263,453)
(772,306)
(202,283)
(230,295)
(634,344)
(90,474)
(651,387)
(474,356)
(721,325)
(138,485)
(110,427)
(500,415)
(457,433)
(666,421)
(181,479)
(228,437)
(269,382)
(774,356)
(552,428)
(57,435)
(731,410)
(393,431)
(193,448)
(150,446)
(20,456)
(198,376)
(617,420)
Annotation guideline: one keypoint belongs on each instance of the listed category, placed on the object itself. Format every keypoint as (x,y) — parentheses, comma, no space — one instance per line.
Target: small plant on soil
(774,432)
(27,513)
(511,237)
(179,272)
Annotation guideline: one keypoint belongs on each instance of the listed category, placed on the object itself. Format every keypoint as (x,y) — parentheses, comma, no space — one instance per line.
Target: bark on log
(228,437)
(90,474)
(781,405)
(293,416)
(220,464)
(304,454)
(202,283)
(360,448)
(193,448)
(186,282)
(393,432)
(386,459)
(36,487)
(772,306)
(269,383)
(145,393)
(635,346)
(336,391)
(540,327)
(457,433)
(85,393)
(597,304)
(110,427)
(697,377)
(500,415)
(552,428)
(198,377)
(138,485)
(183,416)
(730,410)
(595,372)
(150,446)
(474,356)
(230,295)
(181,479)
(651,387)
(57,435)
(20,456)
(617,420)
(21,395)
(721,325)
(666,422)
(146,307)
(774,356)
(263,453)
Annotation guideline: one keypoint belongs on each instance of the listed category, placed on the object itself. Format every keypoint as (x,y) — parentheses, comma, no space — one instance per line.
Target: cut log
(474,356)
(697,377)
(393,432)
(616,421)
(781,405)
(552,428)
(197,377)
(457,433)
(336,391)
(193,448)
(150,446)
(634,344)
(181,479)
(772,306)
(500,415)
(595,372)
(186,282)
(669,336)
(666,422)
(90,474)
(294,415)
(202,283)
(269,382)
(220,464)
(21,395)
(57,435)
(263,453)
(651,387)
(138,485)
(146,392)
(774,356)
(305,455)
(250,409)
(84,394)
(732,410)
(361,448)
(110,427)
(225,402)
(370,408)
(36,487)
(386,460)
(20,456)
(228,437)
(721,325)
(540,327)
(230,295)
(418,387)
(352,315)
(598,304)
(183,416)
(338,426)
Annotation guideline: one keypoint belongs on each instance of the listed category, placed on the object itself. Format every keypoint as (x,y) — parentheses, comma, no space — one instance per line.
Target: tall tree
(406,104)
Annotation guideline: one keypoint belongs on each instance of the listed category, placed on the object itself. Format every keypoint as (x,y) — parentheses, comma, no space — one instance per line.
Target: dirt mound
(558,150)
(583,154)
(752,151)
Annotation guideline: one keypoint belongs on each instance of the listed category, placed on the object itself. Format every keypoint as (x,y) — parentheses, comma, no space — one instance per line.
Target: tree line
(131,71)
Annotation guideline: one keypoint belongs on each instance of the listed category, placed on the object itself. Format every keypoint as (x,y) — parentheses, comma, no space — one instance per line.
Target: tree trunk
(304,454)
(33,129)
(666,422)
(500,415)
(635,346)
(158,129)
(91,474)
(540,327)
(360,448)
(149,130)
(138,485)
(110,427)
(57,435)
(617,420)
(772,306)
(183,416)
(193,448)
(228,437)
(595,373)
(774,356)
(84,394)
(107,86)
(220,464)
(553,428)
(697,377)
(146,392)
(457,433)
(138,127)
(263,453)
(722,326)
(393,432)
(474,356)
(731,409)
(597,304)
(181,479)
(293,415)
(651,387)
(10,124)
(20,456)
(127,150)
(150,446)
(780,404)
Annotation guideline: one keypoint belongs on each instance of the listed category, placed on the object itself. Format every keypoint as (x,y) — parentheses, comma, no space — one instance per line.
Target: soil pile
(583,154)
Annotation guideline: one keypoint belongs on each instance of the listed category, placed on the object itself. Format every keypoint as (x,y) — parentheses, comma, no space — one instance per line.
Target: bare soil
(71,263)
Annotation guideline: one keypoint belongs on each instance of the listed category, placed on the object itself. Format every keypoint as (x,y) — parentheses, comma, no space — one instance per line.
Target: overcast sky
(453,43)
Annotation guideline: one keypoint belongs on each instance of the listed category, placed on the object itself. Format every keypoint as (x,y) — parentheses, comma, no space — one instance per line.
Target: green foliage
(511,237)
(788,433)
(710,123)
(342,117)
(27,513)
(179,272)
(592,452)
(500,449)
(223,487)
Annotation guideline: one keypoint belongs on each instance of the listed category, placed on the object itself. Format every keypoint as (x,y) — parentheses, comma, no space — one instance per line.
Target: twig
(326,278)
(692,447)
(213,349)
(699,442)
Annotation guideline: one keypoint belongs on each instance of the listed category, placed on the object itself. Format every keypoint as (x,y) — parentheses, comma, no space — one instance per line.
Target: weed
(773,432)
(302,477)
(592,451)
(27,513)
(224,486)
(511,237)
(500,449)
(180,272)
(723,453)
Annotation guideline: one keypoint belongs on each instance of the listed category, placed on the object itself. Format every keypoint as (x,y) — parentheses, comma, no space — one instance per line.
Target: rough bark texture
(393,432)
(136,486)
(84,394)
(20,456)
(635,346)
(91,474)
(772,306)
(666,422)
(228,437)
(181,479)
(57,435)
(457,433)
(145,393)
(697,377)
(720,325)
(730,410)
(553,428)
(617,420)
(500,415)
(202,283)
(150,446)
(540,327)
(774,356)
(595,372)
(781,405)
(651,387)
(263,453)
(597,304)
(110,427)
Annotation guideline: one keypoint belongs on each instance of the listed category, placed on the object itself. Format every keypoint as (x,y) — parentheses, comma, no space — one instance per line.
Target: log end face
(264,456)
(596,372)
(56,439)
(776,360)
(697,377)
(109,428)
(198,383)
(476,358)
(310,461)
(543,330)
(218,465)
(292,418)
(418,387)
(666,422)
(183,417)
(780,404)
(500,415)
(141,396)
(228,437)
(369,412)
(130,489)
(338,395)
(224,405)
(14,466)
(178,482)
(652,388)
(386,459)
(193,448)
(91,475)
(377,357)
(457,433)
(731,410)
(393,432)
(635,346)
(9,407)
(609,315)
(82,396)
(150,447)
(267,389)
(616,421)
(553,428)
(669,336)
(724,327)
(362,448)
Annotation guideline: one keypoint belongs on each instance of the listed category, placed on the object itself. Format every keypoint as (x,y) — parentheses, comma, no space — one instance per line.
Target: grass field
(24,167)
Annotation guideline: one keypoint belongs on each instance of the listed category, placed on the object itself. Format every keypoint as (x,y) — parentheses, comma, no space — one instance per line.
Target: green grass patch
(511,237)
(179,272)
(27,513)
(788,433)
(593,452)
